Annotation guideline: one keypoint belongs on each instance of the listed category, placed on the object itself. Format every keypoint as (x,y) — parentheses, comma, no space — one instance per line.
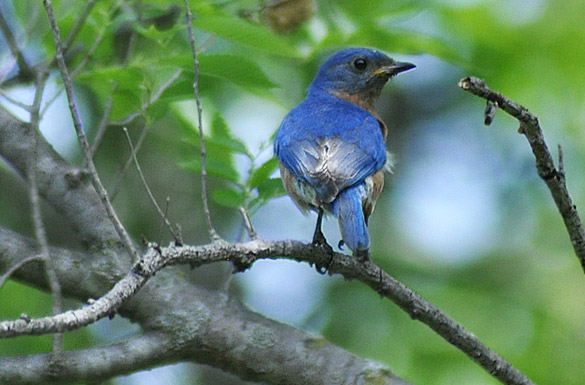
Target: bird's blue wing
(331,146)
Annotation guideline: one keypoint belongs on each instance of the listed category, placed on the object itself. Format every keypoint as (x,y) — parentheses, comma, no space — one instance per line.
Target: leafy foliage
(524,294)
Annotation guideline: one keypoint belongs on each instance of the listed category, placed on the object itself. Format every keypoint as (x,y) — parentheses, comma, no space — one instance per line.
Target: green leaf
(162,37)
(228,197)
(234,69)
(263,172)
(271,188)
(219,148)
(221,135)
(244,32)
(122,83)
(216,166)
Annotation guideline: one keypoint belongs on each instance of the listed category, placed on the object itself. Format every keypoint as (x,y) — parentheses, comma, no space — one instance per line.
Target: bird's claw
(362,255)
(320,241)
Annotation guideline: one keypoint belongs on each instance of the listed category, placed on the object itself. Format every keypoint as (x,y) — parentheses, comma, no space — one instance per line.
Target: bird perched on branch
(331,147)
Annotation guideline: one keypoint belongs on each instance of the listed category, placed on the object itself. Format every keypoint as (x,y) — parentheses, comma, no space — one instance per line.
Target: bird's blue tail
(347,207)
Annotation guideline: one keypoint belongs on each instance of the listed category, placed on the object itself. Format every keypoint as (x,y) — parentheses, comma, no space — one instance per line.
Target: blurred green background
(464,218)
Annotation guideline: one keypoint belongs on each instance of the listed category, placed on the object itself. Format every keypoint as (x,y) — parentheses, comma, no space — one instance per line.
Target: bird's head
(357,74)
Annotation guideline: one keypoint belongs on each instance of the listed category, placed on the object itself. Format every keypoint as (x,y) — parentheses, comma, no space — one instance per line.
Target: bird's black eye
(360,64)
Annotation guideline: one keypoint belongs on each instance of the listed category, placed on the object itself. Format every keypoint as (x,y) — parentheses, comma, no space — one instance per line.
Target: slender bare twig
(12,269)
(124,170)
(248,223)
(561,161)
(17,103)
(39,227)
(164,221)
(554,179)
(81,134)
(79,22)
(101,130)
(148,191)
(162,88)
(206,43)
(88,55)
(46,256)
(212,233)
(24,69)
(154,97)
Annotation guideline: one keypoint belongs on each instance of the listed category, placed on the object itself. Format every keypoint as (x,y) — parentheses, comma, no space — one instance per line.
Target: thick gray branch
(198,325)
(86,365)
(244,254)
(554,179)
(67,189)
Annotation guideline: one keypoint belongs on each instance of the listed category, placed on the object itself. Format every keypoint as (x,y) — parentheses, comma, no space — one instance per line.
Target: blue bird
(331,147)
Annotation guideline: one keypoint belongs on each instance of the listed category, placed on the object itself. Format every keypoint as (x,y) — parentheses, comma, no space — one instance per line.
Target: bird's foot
(362,254)
(320,241)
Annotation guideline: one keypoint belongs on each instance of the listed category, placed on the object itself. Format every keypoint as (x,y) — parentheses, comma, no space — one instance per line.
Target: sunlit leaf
(235,69)
(271,188)
(228,197)
(221,135)
(222,168)
(263,172)
(244,32)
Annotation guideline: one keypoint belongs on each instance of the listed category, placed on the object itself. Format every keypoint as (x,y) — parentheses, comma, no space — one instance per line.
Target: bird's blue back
(322,116)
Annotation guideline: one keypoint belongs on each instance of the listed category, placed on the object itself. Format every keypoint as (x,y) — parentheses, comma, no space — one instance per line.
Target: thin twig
(162,88)
(248,223)
(24,70)
(17,103)
(554,179)
(206,43)
(79,22)
(212,233)
(148,191)
(101,130)
(15,267)
(124,170)
(39,227)
(164,221)
(154,97)
(561,162)
(88,55)
(81,135)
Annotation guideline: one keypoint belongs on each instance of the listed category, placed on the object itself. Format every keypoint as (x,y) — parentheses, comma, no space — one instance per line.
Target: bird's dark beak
(399,67)
(393,69)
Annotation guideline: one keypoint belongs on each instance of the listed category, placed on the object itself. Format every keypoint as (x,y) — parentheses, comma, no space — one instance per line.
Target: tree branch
(212,233)
(81,135)
(24,70)
(66,188)
(554,179)
(176,235)
(197,324)
(243,255)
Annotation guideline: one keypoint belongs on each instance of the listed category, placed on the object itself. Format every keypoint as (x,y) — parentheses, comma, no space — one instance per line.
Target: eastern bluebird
(331,147)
